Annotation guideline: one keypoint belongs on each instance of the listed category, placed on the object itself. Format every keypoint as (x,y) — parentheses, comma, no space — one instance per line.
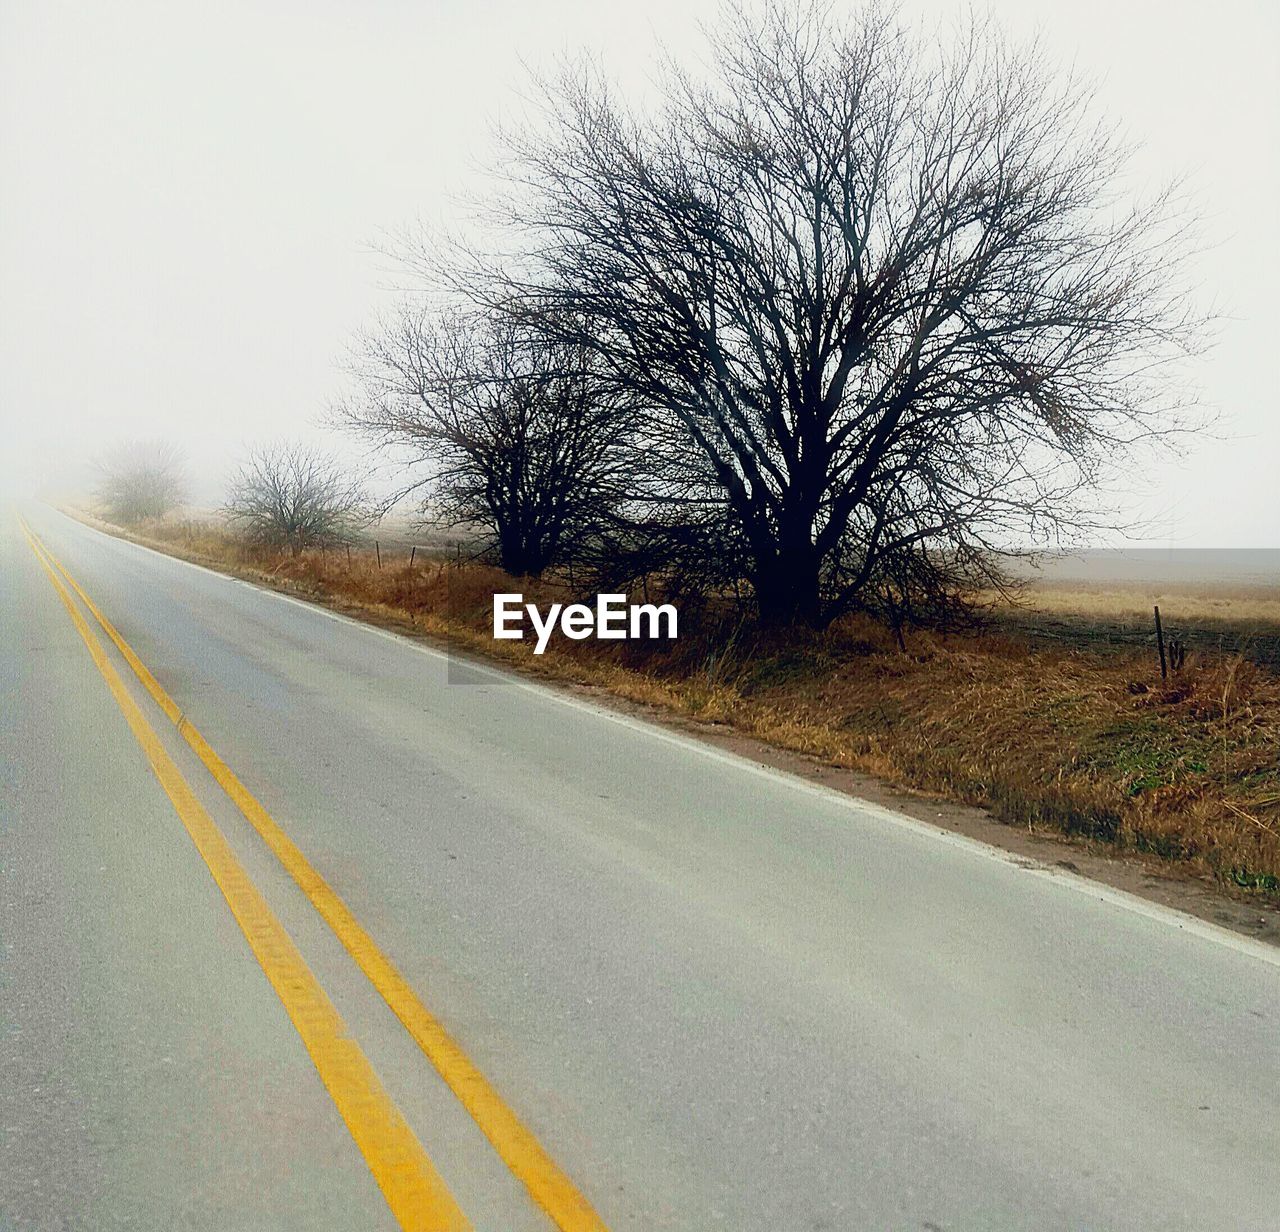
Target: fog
(194,194)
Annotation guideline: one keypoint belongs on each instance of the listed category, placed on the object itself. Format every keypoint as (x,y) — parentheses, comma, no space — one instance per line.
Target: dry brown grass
(1086,742)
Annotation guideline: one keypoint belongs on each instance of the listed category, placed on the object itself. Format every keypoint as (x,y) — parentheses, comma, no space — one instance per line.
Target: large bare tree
(886,302)
(500,427)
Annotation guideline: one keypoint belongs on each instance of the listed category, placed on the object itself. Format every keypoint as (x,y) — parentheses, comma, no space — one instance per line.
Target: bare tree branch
(290,495)
(500,428)
(882,302)
(140,480)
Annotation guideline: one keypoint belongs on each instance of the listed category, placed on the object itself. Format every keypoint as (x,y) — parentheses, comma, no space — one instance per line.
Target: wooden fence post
(1164,667)
(377,547)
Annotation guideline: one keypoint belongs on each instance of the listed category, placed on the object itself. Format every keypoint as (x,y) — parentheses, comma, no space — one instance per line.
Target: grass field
(1072,732)
(1223,618)
(1237,606)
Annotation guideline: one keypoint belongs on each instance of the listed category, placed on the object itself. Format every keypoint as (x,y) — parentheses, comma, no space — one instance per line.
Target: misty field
(1047,715)
(1214,602)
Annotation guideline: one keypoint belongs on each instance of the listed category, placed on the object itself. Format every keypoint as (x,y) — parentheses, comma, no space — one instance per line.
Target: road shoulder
(1069,856)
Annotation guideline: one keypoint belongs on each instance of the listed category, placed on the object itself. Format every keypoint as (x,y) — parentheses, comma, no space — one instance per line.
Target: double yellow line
(414,1190)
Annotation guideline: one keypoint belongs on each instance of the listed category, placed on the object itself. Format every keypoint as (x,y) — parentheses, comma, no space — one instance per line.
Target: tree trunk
(517,555)
(788,590)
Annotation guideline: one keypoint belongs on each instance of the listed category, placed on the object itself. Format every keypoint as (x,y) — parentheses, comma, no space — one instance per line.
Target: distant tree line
(286,496)
(842,317)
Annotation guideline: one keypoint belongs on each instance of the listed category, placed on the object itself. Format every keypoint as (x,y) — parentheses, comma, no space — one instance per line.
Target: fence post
(377,547)
(413,551)
(1164,667)
(348,556)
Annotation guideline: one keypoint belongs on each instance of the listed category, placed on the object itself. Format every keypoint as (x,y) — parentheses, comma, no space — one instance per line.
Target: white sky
(189,192)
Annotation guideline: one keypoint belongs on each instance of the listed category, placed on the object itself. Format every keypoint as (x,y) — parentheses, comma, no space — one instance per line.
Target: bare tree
(885,302)
(500,427)
(295,496)
(139,480)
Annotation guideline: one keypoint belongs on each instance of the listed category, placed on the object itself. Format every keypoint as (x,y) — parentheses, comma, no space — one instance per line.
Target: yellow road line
(410,1183)
(519,1149)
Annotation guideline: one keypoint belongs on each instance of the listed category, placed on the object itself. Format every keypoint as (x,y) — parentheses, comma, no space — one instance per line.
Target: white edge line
(1181,920)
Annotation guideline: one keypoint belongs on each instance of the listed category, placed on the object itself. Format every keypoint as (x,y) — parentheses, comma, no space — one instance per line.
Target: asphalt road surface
(328,930)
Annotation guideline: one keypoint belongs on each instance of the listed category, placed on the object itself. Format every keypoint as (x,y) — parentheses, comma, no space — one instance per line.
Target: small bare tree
(295,496)
(502,429)
(139,480)
(885,303)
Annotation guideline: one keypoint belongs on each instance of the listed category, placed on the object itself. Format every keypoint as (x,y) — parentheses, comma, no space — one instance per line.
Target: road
(665,988)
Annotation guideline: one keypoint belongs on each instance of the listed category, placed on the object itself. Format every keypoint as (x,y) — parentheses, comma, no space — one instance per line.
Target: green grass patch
(1146,753)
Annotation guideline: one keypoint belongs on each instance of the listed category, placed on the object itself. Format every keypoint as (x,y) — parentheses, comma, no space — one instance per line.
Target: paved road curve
(706,995)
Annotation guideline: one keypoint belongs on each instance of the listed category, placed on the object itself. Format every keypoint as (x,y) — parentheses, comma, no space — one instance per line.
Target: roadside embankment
(1082,740)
